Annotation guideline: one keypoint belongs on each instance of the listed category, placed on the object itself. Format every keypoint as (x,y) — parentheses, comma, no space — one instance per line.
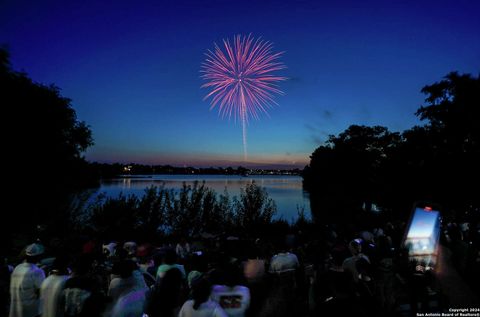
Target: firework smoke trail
(241,79)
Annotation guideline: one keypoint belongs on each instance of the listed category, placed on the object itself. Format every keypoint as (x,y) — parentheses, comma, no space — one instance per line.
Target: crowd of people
(334,270)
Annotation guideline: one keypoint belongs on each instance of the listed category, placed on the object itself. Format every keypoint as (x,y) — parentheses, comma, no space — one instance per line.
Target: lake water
(286,191)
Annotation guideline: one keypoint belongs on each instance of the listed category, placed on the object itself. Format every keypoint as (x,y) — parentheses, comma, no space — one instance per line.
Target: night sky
(132,70)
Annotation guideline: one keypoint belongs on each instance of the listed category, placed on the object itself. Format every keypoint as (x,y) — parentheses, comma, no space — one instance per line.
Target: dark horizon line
(248,166)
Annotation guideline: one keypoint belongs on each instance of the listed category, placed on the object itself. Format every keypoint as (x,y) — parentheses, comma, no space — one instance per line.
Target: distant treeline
(105,170)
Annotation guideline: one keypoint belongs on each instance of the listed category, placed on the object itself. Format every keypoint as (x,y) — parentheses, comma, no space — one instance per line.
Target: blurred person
(168,262)
(110,249)
(145,264)
(182,249)
(283,262)
(5,274)
(131,248)
(25,284)
(164,299)
(125,279)
(82,293)
(201,305)
(365,288)
(385,274)
(52,288)
(355,247)
(198,267)
(254,272)
(282,294)
(233,297)
(334,288)
(254,267)
(130,304)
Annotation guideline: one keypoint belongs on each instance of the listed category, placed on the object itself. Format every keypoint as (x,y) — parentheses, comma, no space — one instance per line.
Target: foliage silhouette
(189,212)
(44,142)
(436,162)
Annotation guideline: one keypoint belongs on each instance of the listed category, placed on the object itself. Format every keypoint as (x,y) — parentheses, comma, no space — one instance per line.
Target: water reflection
(286,191)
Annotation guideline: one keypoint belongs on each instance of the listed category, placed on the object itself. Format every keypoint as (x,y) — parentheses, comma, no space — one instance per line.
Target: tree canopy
(44,146)
(438,161)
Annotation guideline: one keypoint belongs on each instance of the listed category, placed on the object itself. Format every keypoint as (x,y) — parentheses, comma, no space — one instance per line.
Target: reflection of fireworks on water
(241,79)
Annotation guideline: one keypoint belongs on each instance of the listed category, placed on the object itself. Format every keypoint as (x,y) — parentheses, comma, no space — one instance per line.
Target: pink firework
(241,79)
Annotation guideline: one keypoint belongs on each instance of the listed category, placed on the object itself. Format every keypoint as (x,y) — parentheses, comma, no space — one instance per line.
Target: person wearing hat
(25,284)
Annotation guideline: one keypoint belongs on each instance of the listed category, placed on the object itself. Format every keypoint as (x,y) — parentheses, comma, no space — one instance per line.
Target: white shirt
(119,286)
(283,262)
(207,309)
(50,295)
(130,304)
(24,287)
(234,300)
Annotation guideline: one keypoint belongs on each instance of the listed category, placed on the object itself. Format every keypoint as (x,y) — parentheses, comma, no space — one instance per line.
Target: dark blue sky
(132,69)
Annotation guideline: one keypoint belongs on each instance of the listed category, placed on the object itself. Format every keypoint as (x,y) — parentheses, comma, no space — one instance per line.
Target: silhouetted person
(200,305)
(52,288)
(164,299)
(169,261)
(334,288)
(82,293)
(5,273)
(25,284)
(127,278)
(232,295)
(349,265)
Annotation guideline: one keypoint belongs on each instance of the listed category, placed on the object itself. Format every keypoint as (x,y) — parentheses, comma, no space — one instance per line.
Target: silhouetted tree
(453,113)
(439,161)
(436,162)
(44,146)
(343,173)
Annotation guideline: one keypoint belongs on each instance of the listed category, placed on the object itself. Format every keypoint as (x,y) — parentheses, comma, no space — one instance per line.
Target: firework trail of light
(241,79)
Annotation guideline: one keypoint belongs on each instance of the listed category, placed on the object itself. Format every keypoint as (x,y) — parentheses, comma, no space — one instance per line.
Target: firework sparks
(241,79)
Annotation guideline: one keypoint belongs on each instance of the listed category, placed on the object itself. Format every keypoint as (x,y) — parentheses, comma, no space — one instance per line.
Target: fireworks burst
(241,79)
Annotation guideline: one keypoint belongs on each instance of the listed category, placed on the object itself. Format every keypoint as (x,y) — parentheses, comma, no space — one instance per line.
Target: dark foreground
(329,270)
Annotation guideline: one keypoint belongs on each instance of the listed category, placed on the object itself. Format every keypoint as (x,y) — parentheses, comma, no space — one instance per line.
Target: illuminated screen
(423,234)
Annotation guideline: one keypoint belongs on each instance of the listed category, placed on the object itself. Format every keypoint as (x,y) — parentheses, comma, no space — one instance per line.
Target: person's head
(201,289)
(171,281)
(109,249)
(130,247)
(33,252)
(198,263)
(143,250)
(60,265)
(355,247)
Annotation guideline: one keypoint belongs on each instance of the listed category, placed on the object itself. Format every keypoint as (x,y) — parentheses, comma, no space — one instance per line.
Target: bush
(189,212)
